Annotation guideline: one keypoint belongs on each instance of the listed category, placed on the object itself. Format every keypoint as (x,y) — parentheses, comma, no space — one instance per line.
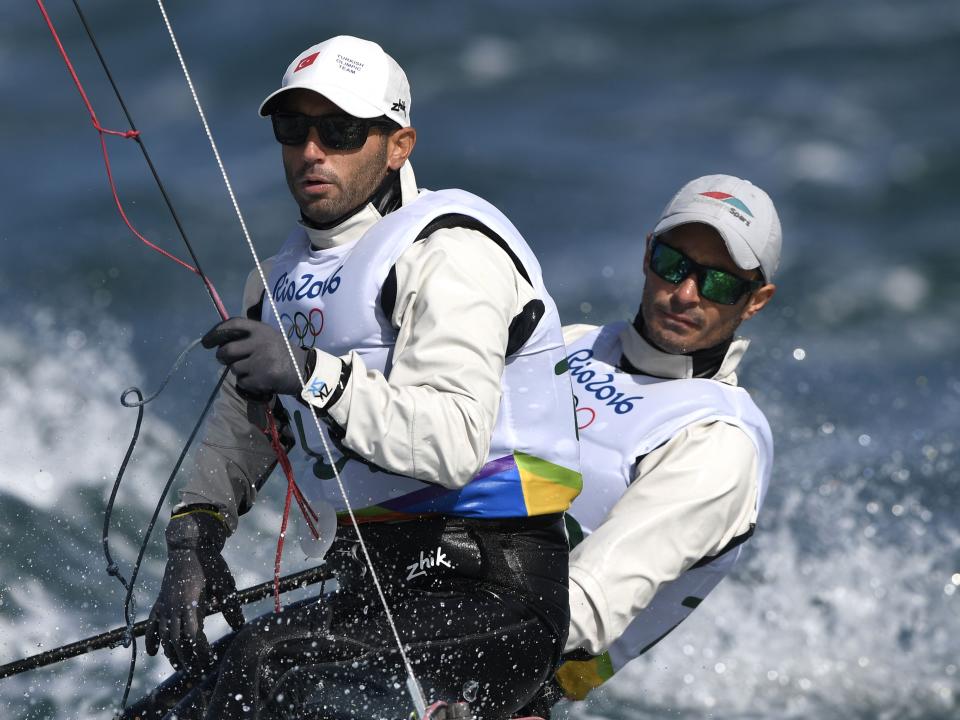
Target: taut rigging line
(413,685)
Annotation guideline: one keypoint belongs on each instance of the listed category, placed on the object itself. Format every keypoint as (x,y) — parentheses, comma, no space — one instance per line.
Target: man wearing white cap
(676,458)
(426,343)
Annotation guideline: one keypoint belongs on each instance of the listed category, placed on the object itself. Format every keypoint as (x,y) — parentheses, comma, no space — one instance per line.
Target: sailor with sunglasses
(427,345)
(676,458)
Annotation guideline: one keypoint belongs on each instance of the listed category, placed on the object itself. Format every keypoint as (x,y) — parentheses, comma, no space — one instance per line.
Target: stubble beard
(669,342)
(352,192)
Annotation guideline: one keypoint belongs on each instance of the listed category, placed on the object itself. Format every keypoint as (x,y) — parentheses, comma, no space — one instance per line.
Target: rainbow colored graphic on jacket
(578,677)
(515,485)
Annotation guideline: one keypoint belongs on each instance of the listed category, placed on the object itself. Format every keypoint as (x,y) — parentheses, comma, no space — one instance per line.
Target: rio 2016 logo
(598,384)
(305,287)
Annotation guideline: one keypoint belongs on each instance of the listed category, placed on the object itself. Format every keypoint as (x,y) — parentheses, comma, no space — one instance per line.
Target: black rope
(112,568)
(129,605)
(146,156)
(129,608)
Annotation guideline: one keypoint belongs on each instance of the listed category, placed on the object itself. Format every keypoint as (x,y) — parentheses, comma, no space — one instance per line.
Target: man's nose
(687,292)
(313,148)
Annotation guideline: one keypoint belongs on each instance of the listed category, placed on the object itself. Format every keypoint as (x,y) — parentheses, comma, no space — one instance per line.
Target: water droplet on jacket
(470,688)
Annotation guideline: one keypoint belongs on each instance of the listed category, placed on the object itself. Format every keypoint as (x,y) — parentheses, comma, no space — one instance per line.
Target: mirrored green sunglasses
(716,285)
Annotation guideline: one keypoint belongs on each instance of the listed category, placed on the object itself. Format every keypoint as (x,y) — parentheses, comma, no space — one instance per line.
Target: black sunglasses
(337,132)
(716,285)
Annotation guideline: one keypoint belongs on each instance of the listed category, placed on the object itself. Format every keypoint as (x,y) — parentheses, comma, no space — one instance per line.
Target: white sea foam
(847,634)
(61,420)
(489,58)
(843,606)
(823,162)
(905,289)
(902,288)
(64,430)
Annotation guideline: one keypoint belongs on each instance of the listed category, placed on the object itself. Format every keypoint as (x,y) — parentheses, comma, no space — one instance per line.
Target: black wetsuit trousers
(480,606)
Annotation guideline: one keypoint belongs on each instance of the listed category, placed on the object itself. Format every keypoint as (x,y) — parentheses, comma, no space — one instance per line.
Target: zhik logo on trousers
(416,569)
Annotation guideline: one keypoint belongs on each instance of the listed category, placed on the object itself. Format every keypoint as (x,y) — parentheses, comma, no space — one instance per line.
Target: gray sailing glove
(256,353)
(196,582)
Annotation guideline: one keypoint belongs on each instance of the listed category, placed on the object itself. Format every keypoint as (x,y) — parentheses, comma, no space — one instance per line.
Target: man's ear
(757,300)
(399,146)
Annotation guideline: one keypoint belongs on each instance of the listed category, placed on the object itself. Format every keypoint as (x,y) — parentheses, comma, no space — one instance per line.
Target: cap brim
(339,96)
(739,250)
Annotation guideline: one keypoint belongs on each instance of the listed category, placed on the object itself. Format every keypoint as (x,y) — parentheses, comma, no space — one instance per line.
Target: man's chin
(670,342)
(321,212)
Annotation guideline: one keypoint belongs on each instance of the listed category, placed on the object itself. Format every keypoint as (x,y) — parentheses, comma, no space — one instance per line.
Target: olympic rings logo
(577,410)
(305,327)
(589,422)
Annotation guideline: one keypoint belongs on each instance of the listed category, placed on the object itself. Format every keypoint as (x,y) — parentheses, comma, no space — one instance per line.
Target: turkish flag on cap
(306,62)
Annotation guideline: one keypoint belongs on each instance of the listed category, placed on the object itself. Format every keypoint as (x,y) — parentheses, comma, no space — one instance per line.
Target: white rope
(413,686)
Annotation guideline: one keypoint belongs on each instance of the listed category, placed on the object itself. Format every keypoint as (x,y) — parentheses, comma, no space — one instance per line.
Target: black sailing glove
(196,582)
(256,353)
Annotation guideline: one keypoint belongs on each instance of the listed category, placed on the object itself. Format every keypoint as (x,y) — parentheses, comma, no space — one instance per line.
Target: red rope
(293,490)
(129,134)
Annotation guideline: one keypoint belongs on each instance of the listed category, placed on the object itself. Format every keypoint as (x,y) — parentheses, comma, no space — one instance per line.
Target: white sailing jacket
(623,417)
(532,466)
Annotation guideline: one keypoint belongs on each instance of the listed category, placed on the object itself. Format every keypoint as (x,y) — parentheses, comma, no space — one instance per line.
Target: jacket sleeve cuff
(588,608)
(327,379)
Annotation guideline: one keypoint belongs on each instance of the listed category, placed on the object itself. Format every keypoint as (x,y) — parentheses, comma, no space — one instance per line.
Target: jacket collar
(355,224)
(649,360)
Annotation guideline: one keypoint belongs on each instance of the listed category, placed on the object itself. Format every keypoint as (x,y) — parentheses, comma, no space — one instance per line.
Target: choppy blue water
(578,119)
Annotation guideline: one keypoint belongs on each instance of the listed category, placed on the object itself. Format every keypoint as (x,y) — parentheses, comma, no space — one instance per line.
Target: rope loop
(134,390)
(413,686)
(127,134)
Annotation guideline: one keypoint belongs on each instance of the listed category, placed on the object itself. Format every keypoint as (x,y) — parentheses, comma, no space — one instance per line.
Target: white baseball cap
(741,212)
(354,74)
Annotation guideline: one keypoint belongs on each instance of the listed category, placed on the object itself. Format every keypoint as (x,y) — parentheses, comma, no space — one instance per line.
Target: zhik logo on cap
(306,62)
(729,200)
